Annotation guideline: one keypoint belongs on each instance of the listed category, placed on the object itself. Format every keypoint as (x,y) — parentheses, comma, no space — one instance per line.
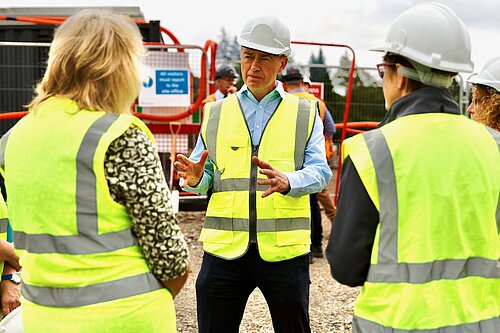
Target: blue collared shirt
(315,174)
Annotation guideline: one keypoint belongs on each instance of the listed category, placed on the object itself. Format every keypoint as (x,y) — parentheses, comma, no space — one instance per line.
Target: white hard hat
(266,34)
(489,75)
(433,35)
(13,322)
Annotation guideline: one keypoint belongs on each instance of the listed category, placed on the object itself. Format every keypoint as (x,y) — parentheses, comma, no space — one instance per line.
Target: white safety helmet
(266,34)
(13,322)
(489,75)
(432,35)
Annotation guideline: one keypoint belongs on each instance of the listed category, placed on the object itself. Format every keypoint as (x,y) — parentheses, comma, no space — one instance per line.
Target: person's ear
(401,81)
(283,63)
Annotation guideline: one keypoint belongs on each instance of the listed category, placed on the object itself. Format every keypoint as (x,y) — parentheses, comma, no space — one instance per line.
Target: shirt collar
(278,89)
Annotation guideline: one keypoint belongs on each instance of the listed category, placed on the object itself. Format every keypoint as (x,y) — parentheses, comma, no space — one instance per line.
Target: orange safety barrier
(210,47)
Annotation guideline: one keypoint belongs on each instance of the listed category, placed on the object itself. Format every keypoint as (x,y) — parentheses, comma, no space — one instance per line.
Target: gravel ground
(331,304)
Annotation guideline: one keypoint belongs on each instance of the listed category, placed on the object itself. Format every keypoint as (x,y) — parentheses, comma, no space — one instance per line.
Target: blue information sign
(172,82)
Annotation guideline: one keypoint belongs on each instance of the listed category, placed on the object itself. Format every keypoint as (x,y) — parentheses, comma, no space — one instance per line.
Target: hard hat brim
(445,66)
(266,49)
(475,79)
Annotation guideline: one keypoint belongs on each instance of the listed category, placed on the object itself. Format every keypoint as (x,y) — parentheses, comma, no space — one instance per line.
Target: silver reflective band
(74,244)
(234,184)
(268,225)
(451,269)
(360,325)
(5,138)
(88,240)
(230,184)
(301,131)
(495,135)
(388,196)
(212,129)
(388,269)
(3,225)
(96,293)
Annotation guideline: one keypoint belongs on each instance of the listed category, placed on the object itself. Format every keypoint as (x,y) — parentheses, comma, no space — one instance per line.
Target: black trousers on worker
(316,226)
(223,287)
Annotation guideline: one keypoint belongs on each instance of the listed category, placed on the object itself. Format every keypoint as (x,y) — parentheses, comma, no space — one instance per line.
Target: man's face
(225,83)
(259,70)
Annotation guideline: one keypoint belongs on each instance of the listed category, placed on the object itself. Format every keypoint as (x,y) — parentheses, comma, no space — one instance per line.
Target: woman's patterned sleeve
(136,180)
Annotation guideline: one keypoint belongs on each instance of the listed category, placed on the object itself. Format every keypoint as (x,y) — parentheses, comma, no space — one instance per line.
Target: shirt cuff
(294,181)
(199,188)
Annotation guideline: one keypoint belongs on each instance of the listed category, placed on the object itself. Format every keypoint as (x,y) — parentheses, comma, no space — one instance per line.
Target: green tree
(228,48)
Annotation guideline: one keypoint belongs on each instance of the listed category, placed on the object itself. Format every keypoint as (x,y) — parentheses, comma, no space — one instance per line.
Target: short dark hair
(392,58)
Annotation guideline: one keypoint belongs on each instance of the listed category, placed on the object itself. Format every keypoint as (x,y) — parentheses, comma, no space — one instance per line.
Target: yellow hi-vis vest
(236,209)
(83,270)
(322,113)
(435,261)
(4,224)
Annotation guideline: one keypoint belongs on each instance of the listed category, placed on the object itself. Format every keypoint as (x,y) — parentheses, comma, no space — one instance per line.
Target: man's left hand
(10,293)
(277,181)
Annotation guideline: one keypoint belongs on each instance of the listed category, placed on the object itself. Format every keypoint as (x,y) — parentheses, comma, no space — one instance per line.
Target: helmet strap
(425,75)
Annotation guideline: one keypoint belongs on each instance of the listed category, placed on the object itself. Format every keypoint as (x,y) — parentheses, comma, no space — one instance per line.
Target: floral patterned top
(136,180)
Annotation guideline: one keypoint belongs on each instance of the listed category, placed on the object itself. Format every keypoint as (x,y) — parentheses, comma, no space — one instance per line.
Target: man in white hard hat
(266,154)
(485,105)
(418,209)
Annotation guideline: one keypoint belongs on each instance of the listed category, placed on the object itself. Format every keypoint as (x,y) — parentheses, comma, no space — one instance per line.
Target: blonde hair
(487,105)
(96,60)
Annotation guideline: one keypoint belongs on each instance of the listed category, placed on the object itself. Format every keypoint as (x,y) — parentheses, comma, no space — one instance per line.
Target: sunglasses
(381,68)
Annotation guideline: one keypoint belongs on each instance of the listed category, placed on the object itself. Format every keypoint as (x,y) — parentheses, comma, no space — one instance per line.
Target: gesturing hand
(189,170)
(277,181)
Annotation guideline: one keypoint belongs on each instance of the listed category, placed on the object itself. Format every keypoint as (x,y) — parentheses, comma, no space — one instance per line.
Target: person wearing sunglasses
(409,227)
(485,105)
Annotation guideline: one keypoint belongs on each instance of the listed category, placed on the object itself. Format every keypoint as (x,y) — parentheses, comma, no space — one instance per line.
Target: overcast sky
(360,24)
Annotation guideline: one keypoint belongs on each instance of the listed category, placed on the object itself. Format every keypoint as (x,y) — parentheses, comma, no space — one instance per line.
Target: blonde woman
(485,105)
(99,244)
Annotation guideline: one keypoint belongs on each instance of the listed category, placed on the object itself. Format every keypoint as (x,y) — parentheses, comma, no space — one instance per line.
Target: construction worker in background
(294,83)
(415,222)
(262,151)
(10,290)
(100,247)
(226,77)
(485,105)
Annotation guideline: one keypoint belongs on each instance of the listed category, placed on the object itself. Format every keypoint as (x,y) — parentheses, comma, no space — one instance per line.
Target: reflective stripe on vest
(226,231)
(4,223)
(88,240)
(95,293)
(418,279)
(496,136)
(387,268)
(487,326)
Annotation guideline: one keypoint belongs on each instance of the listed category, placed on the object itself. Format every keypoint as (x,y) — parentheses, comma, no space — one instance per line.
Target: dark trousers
(316,227)
(223,287)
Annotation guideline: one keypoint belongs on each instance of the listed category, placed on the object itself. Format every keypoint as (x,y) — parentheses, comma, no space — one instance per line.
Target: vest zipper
(252,227)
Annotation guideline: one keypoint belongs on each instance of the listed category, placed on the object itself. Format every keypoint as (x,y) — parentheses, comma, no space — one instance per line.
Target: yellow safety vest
(435,260)
(280,223)
(210,98)
(322,113)
(4,224)
(83,270)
